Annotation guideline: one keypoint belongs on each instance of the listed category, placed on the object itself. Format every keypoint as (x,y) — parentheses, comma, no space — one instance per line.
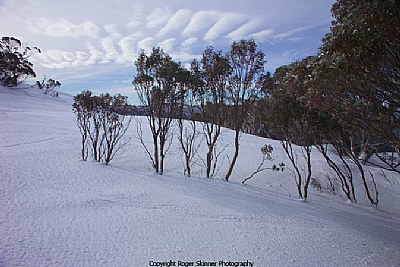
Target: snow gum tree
(157,87)
(15,66)
(188,135)
(288,120)
(293,119)
(213,70)
(247,64)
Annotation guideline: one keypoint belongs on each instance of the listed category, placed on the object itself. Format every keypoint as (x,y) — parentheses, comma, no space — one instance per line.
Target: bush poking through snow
(49,86)
(266,150)
(315,184)
(101,127)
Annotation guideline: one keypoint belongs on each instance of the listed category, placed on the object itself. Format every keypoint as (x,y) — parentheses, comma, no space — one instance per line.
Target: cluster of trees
(218,86)
(15,66)
(101,126)
(346,96)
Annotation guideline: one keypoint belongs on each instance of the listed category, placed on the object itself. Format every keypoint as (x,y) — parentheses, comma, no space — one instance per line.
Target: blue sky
(93,44)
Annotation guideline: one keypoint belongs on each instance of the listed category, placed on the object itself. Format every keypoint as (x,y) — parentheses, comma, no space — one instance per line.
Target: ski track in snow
(56,210)
(33,142)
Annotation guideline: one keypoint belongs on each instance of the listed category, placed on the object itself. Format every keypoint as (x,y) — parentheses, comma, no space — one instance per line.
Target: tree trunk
(307,182)
(208,160)
(342,177)
(83,149)
(187,157)
(162,155)
(362,173)
(235,156)
(287,146)
(156,158)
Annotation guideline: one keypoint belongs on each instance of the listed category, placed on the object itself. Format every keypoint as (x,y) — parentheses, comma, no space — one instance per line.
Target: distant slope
(56,210)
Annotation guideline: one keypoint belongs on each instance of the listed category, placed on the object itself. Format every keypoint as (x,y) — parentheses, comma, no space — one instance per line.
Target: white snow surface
(57,210)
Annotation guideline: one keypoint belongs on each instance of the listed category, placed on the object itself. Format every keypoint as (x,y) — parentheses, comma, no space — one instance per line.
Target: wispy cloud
(245,30)
(262,36)
(289,34)
(177,22)
(64,28)
(201,21)
(227,21)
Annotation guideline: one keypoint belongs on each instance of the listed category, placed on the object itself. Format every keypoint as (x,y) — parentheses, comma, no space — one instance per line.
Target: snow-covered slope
(56,210)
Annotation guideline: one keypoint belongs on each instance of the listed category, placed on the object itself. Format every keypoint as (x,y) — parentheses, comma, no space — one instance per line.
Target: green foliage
(295,114)
(359,67)
(158,81)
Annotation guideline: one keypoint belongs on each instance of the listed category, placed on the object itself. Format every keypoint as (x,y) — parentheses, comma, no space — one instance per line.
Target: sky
(92,45)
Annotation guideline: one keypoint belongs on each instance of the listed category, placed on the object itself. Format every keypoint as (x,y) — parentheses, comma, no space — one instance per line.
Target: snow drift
(56,210)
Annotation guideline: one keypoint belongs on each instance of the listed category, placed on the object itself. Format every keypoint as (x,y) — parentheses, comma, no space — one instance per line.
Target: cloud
(295,39)
(111,53)
(227,21)
(107,53)
(137,16)
(183,56)
(94,55)
(112,30)
(50,56)
(64,28)
(55,58)
(244,30)
(134,23)
(289,34)
(187,44)
(158,17)
(167,45)
(177,22)
(129,46)
(147,44)
(81,56)
(201,20)
(262,36)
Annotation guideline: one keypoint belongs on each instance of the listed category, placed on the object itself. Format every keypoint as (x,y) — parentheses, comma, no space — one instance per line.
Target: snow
(56,210)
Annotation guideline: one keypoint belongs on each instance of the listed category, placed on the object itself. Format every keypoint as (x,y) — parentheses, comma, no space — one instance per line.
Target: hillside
(56,210)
